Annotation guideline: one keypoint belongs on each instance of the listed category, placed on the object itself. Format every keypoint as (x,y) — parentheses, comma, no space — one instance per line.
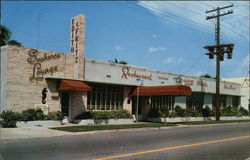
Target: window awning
(178,90)
(72,85)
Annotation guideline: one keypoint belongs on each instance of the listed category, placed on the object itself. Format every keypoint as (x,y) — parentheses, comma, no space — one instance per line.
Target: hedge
(189,112)
(114,114)
(9,118)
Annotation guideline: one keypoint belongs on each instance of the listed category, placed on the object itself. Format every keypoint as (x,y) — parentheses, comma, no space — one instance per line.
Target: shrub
(159,112)
(32,115)
(84,115)
(207,112)
(164,112)
(100,114)
(9,118)
(192,113)
(243,111)
(179,111)
(121,114)
(116,114)
(172,114)
(58,115)
(229,111)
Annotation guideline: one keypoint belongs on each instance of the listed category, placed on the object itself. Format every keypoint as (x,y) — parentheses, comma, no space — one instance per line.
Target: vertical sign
(75,34)
(77,40)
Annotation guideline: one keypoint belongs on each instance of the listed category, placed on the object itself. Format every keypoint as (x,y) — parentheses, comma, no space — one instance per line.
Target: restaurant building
(71,83)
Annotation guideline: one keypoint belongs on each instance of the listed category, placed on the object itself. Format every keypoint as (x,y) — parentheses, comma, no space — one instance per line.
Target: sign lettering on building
(75,34)
(201,83)
(38,70)
(229,86)
(163,77)
(126,73)
(178,80)
(188,82)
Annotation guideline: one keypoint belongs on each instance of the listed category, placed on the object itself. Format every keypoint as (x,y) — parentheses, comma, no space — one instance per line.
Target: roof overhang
(178,90)
(73,85)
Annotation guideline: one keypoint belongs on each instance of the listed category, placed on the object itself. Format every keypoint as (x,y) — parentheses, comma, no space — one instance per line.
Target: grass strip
(85,128)
(212,122)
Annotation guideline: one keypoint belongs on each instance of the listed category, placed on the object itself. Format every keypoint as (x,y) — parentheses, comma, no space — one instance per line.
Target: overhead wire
(177,19)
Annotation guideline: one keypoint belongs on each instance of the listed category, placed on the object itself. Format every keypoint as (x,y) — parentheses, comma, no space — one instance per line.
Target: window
(222,100)
(105,97)
(195,101)
(235,101)
(159,101)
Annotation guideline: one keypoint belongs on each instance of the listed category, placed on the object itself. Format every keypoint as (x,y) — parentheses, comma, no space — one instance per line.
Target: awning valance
(72,85)
(178,90)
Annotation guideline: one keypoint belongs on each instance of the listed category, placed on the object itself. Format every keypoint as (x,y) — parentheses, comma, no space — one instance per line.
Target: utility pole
(219,50)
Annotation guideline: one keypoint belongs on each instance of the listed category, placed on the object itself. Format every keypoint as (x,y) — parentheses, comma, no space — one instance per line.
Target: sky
(160,35)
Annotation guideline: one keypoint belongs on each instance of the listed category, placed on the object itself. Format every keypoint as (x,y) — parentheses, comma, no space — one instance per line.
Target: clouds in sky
(118,48)
(156,49)
(154,36)
(193,14)
(170,60)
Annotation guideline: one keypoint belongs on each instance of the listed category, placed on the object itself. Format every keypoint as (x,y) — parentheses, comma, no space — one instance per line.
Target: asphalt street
(218,142)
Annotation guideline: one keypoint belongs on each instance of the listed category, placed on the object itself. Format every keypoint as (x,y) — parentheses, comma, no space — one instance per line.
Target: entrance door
(65,103)
(140,106)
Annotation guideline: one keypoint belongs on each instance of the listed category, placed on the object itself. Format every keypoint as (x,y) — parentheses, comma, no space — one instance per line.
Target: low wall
(103,121)
(187,119)
(41,123)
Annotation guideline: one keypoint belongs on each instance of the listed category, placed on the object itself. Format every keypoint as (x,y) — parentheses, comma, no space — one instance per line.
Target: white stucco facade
(129,75)
(244,90)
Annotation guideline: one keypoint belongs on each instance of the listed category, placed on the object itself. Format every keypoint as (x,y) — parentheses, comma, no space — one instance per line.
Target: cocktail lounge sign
(38,71)
(126,73)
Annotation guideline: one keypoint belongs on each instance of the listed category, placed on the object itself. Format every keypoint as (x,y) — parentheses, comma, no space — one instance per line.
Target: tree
(5,37)
(207,76)
(119,62)
(14,42)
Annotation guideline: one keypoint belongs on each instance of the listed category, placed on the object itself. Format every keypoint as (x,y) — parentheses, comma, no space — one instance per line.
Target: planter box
(187,119)
(234,118)
(41,123)
(103,121)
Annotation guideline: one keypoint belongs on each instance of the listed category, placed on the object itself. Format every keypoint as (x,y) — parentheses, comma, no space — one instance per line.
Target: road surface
(213,142)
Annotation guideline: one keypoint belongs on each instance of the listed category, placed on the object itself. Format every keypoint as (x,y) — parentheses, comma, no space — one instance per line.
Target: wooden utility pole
(219,50)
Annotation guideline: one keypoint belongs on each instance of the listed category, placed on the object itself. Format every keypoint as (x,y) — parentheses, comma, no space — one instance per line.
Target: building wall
(3,77)
(245,98)
(79,103)
(107,72)
(127,98)
(245,89)
(24,79)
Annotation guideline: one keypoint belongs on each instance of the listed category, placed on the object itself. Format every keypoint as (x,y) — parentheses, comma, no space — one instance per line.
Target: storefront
(73,84)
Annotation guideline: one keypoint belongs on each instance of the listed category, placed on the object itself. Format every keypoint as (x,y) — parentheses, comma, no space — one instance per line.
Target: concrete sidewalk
(29,132)
(43,132)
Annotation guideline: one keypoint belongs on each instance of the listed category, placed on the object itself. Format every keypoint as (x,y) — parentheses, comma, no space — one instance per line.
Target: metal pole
(137,103)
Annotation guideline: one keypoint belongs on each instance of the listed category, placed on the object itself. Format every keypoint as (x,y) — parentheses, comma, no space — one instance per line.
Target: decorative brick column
(77,45)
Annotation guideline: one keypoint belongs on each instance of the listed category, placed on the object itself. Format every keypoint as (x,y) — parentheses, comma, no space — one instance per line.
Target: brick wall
(23,93)
(79,103)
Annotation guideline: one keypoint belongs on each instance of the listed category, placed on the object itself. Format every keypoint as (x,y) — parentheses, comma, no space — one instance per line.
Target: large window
(105,97)
(160,101)
(195,101)
(222,100)
(235,101)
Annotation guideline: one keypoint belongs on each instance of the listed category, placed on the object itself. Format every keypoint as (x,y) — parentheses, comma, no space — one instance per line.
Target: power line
(219,50)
